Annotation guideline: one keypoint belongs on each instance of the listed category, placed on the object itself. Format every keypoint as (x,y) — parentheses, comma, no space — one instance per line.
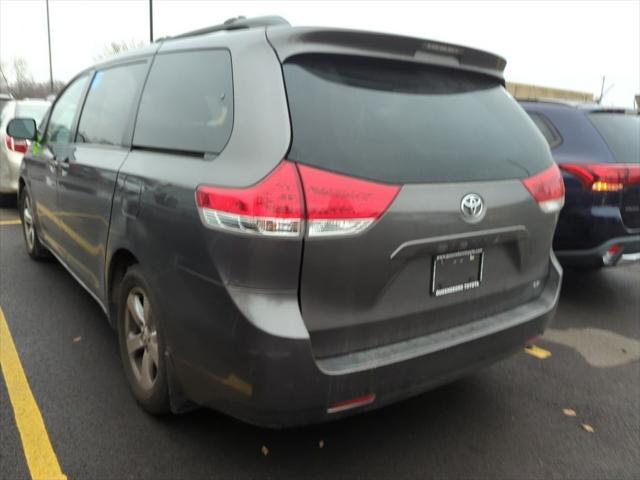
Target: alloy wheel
(141,339)
(27,223)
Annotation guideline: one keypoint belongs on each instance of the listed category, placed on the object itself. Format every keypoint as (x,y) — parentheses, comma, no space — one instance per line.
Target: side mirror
(22,129)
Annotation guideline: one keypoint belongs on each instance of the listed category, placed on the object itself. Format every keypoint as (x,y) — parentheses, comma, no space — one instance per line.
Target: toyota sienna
(291,225)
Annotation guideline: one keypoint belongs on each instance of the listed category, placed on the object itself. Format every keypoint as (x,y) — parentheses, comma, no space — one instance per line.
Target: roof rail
(556,101)
(235,23)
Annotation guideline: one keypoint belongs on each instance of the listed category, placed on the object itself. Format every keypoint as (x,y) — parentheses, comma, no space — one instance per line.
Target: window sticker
(96,80)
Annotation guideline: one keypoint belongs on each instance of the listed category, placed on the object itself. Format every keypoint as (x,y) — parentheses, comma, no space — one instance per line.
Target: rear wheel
(35,249)
(141,343)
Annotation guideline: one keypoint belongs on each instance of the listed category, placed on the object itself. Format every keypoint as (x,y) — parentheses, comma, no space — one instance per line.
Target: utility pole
(601,91)
(150,21)
(49,39)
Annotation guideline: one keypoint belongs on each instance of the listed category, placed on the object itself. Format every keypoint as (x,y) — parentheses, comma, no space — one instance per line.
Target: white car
(12,150)
(4,99)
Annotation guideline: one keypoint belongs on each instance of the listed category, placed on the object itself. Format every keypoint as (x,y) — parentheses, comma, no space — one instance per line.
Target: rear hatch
(443,165)
(619,181)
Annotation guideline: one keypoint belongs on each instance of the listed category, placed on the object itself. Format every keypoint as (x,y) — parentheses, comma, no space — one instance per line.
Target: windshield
(408,123)
(622,134)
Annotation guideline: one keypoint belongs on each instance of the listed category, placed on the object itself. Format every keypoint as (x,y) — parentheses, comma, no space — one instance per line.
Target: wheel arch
(120,261)
(21,184)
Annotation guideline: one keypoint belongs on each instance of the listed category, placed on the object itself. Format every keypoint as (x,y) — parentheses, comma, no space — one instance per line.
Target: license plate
(457,272)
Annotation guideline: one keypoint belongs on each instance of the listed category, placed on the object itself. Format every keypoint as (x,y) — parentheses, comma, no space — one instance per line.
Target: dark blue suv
(598,151)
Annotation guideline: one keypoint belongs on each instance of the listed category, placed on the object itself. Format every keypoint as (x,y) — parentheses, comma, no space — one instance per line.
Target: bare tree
(21,72)
(4,81)
(116,47)
(21,84)
(22,79)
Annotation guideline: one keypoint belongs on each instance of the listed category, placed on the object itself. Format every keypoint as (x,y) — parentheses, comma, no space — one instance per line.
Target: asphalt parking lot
(507,421)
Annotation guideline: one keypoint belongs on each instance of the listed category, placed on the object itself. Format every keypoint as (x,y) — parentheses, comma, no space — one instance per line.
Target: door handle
(51,164)
(64,164)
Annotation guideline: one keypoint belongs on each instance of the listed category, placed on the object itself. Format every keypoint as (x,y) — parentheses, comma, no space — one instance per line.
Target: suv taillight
(547,188)
(278,205)
(14,145)
(604,177)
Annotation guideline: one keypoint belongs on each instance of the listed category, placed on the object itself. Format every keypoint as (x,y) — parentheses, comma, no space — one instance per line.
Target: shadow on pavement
(360,440)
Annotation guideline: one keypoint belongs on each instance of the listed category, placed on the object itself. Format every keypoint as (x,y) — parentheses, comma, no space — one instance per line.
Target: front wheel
(35,249)
(141,343)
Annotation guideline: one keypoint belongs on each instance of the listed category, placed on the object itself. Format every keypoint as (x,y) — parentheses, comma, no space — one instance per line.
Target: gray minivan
(290,224)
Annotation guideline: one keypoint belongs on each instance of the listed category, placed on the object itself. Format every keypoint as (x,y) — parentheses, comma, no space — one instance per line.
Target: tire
(35,248)
(141,343)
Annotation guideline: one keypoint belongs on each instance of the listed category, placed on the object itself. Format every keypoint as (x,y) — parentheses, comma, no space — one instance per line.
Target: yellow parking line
(41,459)
(75,236)
(10,222)
(537,352)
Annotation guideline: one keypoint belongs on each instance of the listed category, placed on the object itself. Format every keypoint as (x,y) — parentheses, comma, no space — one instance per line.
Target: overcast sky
(558,44)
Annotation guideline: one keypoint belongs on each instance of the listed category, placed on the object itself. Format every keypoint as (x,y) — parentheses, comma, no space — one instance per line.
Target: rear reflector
(272,207)
(611,255)
(341,205)
(604,177)
(278,205)
(352,403)
(547,188)
(14,145)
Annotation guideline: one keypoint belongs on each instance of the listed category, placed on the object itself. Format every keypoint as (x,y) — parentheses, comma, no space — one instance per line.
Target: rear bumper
(276,382)
(629,252)
(586,228)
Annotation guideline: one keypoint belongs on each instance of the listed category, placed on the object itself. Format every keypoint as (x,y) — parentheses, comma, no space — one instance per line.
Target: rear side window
(621,132)
(187,103)
(110,102)
(407,123)
(547,129)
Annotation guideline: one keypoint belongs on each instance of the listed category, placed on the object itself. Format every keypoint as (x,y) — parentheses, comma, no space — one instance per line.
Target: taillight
(14,145)
(547,188)
(272,207)
(604,177)
(278,205)
(341,205)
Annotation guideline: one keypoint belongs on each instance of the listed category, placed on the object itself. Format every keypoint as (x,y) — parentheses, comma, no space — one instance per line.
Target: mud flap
(178,401)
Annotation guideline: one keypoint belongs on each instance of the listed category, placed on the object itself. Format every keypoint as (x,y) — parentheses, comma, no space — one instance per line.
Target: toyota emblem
(472,207)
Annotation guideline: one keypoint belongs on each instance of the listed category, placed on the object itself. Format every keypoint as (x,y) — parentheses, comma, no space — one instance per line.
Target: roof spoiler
(288,42)
(235,23)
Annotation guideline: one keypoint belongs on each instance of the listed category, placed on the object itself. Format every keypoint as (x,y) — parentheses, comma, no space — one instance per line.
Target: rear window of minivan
(401,122)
